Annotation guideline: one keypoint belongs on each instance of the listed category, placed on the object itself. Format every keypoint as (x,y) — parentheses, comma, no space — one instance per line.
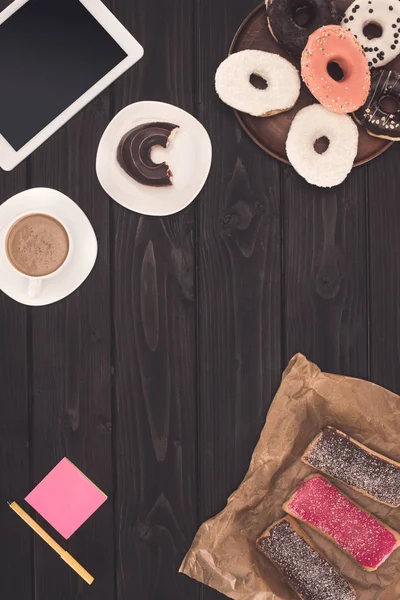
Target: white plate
(189,157)
(83,254)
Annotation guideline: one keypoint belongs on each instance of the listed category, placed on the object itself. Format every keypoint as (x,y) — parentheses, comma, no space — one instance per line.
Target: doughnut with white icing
(384,13)
(232,83)
(332,167)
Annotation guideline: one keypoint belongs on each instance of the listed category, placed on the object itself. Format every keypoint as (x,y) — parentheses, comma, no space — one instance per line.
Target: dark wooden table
(155,377)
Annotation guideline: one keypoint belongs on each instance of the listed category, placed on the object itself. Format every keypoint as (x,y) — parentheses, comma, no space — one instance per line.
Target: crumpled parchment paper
(223,554)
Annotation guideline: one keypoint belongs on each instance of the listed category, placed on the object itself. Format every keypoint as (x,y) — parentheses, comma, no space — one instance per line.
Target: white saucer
(83,254)
(189,157)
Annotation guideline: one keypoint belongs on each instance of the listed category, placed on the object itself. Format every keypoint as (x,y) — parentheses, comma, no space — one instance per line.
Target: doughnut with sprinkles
(334,45)
(386,15)
(372,115)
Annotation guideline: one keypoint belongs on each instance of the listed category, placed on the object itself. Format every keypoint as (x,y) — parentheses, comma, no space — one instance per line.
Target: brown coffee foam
(37,245)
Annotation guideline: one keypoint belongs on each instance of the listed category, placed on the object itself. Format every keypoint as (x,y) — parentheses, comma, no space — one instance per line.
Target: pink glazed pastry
(321,505)
(329,49)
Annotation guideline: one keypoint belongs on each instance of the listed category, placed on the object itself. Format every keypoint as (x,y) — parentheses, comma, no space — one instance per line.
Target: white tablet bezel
(10,158)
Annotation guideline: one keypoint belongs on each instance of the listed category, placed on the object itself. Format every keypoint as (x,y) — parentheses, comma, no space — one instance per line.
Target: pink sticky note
(66,498)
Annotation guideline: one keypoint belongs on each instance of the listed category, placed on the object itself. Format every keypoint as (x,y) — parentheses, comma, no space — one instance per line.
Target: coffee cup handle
(34,287)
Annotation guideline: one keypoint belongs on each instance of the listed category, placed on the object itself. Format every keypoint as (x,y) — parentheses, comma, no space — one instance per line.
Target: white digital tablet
(55,56)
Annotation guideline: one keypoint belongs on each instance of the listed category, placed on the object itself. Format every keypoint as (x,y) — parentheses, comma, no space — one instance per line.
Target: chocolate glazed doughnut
(377,121)
(282,24)
(134,153)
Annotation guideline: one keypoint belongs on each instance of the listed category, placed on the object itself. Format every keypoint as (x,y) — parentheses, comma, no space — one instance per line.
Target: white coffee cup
(35,282)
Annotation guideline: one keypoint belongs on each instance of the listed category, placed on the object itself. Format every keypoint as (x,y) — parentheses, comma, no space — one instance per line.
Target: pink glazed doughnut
(336,47)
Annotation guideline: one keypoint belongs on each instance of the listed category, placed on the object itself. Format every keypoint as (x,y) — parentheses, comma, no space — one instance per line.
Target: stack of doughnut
(340,63)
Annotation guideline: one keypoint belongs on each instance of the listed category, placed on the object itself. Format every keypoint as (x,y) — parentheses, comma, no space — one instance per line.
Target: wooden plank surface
(154,325)
(70,357)
(16,543)
(325,273)
(384,269)
(155,376)
(15,434)
(239,278)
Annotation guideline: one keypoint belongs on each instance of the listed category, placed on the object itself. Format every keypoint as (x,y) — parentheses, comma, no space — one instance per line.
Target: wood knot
(143,531)
(228,222)
(104,424)
(70,419)
(328,281)
(242,215)
(242,224)
(259,208)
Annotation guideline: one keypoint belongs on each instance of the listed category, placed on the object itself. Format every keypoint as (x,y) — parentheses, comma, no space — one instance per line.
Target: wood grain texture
(15,540)
(325,269)
(16,543)
(154,323)
(384,270)
(156,375)
(71,367)
(238,278)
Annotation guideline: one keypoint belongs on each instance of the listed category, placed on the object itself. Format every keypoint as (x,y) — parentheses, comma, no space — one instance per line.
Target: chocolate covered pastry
(282,21)
(304,568)
(134,153)
(373,115)
(339,456)
(321,505)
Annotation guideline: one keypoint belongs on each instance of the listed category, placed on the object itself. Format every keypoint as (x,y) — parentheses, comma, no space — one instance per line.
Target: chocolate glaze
(134,153)
(371,116)
(337,455)
(306,571)
(287,32)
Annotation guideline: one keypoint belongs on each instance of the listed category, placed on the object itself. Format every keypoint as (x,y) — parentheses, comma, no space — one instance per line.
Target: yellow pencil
(52,543)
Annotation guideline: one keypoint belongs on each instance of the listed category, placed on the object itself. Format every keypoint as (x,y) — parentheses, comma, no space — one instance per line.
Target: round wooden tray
(270,133)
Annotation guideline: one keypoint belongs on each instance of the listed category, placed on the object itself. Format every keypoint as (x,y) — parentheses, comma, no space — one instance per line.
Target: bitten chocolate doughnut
(232,83)
(321,505)
(372,115)
(334,46)
(134,153)
(305,570)
(384,13)
(338,455)
(282,24)
(333,166)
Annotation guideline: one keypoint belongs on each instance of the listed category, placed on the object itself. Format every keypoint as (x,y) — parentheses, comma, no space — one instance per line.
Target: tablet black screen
(51,52)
